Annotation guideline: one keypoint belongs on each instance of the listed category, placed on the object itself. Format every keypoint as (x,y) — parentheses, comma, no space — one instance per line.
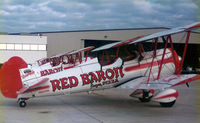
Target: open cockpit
(126,53)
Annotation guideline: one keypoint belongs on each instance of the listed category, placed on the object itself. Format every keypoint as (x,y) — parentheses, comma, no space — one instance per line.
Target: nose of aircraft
(10,80)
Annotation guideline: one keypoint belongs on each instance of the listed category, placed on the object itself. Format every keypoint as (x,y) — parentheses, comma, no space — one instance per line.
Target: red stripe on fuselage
(36,89)
(43,91)
(155,63)
(142,66)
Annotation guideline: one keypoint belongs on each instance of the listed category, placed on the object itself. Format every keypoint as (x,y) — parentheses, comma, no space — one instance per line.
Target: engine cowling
(10,80)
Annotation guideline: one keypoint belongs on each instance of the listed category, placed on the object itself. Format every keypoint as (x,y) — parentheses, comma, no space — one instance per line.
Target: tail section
(10,80)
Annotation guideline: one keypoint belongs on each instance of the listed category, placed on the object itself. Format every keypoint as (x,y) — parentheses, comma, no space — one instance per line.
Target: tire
(170,104)
(22,104)
(144,99)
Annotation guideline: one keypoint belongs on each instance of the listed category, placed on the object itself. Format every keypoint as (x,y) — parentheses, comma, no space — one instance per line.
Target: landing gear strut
(22,102)
(145,97)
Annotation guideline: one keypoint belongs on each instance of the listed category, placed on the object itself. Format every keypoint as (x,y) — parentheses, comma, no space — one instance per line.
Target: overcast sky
(67,15)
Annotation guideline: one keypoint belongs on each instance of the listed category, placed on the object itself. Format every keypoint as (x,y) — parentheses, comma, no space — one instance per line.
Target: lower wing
(32,85)
(162,83)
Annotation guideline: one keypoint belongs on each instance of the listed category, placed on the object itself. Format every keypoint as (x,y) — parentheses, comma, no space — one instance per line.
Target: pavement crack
(87,114)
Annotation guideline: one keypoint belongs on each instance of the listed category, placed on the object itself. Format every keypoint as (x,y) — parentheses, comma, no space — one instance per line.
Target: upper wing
(81,50)
(190,27)
(169,32)
(117,44)
(162,83)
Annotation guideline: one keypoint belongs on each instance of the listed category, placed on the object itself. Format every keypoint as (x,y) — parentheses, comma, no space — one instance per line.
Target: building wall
(59,42)
(30,48)
(28,56)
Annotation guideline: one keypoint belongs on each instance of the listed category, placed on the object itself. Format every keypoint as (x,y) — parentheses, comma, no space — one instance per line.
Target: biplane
(151,74)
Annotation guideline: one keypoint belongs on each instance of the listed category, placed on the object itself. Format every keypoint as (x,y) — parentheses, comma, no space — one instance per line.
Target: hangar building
(30,48)
(65,41)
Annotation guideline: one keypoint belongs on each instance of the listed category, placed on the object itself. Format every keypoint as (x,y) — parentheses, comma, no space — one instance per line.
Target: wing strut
(154,55)
(179,66)
(163,55)
(184,52)
(173,52)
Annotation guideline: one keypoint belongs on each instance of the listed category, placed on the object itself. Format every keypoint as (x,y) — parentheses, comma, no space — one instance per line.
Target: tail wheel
(22,104)
(169,104)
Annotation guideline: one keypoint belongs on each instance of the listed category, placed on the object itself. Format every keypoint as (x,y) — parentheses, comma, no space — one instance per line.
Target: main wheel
(145,99)
(170,104)
(22,104)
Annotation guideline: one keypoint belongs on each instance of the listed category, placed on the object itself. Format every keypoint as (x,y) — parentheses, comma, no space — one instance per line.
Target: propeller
(10,80)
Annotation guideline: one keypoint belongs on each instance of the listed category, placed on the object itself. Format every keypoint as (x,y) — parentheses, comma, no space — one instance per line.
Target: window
(34,47)
(30,47)
(2,46)
(42,47)
(10,46)
(18,46)
(26,47)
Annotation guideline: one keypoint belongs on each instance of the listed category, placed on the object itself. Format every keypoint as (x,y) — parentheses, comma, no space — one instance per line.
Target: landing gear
(143,95)
(169,104)
(146,97)
(166,98)
(22,102)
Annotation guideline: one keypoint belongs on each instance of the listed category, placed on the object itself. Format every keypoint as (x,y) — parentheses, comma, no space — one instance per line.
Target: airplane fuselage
(91,75)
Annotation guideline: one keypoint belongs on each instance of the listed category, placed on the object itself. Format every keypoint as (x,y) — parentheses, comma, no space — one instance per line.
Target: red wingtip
(10,80)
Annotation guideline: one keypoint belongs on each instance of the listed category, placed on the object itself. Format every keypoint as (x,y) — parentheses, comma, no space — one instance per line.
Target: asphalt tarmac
(108,106)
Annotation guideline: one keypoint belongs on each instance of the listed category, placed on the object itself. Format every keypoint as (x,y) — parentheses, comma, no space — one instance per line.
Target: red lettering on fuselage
(101,75)
(51,71)
(106,77)
(55,84)
(85,79)
(73,81)
(64,83)
(110,74)
(93,77)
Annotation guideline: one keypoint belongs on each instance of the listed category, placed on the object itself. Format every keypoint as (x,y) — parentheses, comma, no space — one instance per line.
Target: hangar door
(192,57)
(97,43)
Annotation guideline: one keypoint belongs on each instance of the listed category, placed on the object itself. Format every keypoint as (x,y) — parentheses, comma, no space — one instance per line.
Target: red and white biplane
(150,74)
